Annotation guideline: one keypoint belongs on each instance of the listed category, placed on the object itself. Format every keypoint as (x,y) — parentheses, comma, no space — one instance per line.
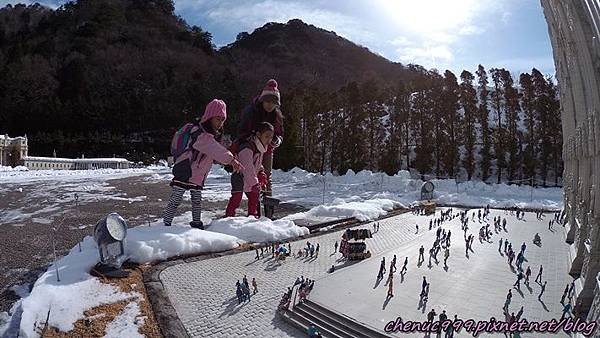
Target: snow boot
(197,225)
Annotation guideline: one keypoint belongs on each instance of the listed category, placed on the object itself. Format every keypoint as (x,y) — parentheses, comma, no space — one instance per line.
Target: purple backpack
(184,138)
(183,141)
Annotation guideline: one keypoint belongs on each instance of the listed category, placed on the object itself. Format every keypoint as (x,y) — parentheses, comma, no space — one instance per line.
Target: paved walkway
(203,292)
(474,287)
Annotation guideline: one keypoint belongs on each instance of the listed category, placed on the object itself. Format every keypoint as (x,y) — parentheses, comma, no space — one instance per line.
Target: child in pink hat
(201,155)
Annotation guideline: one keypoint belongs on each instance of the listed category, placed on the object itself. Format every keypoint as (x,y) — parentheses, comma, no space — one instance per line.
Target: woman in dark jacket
(264,108)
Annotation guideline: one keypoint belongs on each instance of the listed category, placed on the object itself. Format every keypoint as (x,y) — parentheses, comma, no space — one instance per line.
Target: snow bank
(310,189)
(68,298)
(147,244)
(353,207)
(160,165)
(257,230)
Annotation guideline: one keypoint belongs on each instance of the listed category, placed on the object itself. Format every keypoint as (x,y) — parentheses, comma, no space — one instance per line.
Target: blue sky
(445,34)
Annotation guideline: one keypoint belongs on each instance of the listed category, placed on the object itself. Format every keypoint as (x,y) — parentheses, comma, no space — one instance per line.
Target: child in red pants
(252,177)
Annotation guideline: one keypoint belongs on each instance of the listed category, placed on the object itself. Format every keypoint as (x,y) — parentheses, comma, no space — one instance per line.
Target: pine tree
(542,104)
(352,156)
(392,139)
(527,106)
(484,123)
(421,119)
(511,134)
(374,132)
(452,124)
(336,123)
(401,119)
(555,129)
(435,105)
(498,104)
(312,120)
(468,103)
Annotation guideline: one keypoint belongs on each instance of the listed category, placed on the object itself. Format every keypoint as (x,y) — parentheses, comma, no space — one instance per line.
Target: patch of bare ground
(98,318)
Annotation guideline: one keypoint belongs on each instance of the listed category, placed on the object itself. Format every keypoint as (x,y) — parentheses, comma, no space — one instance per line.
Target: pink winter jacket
(209,150)
(252,163)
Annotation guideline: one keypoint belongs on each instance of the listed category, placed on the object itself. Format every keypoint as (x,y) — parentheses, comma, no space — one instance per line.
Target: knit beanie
(271,91)
(216,107)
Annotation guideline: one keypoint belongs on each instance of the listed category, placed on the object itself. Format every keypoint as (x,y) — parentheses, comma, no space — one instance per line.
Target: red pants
(236,198)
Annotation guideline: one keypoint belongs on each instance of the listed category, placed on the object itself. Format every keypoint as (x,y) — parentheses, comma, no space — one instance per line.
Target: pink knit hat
(216,107)
(271,91)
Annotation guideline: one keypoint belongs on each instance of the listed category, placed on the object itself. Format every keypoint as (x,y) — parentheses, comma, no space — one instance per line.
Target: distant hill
(296,52)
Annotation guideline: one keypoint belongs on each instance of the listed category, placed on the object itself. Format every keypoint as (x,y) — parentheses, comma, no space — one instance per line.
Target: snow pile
(310,189)
(257,230)
(339,208)
(68,298)
(300,187)
(4,323)
(147,244)
(477,193)
(9,322)
(160,165)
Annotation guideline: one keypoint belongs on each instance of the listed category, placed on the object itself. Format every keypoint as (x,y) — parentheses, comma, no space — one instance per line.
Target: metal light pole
(54,251)
(146,206)
(531,197)
(324,181)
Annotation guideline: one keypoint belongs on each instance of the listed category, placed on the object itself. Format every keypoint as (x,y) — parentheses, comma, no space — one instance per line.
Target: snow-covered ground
(364,195)
(310,189)
(337,194)
(57,189)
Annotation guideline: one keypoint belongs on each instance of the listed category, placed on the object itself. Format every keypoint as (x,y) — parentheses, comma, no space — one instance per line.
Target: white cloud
(249,16)
(401,41)
(471,30)
(506,17)
(426,56)
(429,32)
(50,4)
